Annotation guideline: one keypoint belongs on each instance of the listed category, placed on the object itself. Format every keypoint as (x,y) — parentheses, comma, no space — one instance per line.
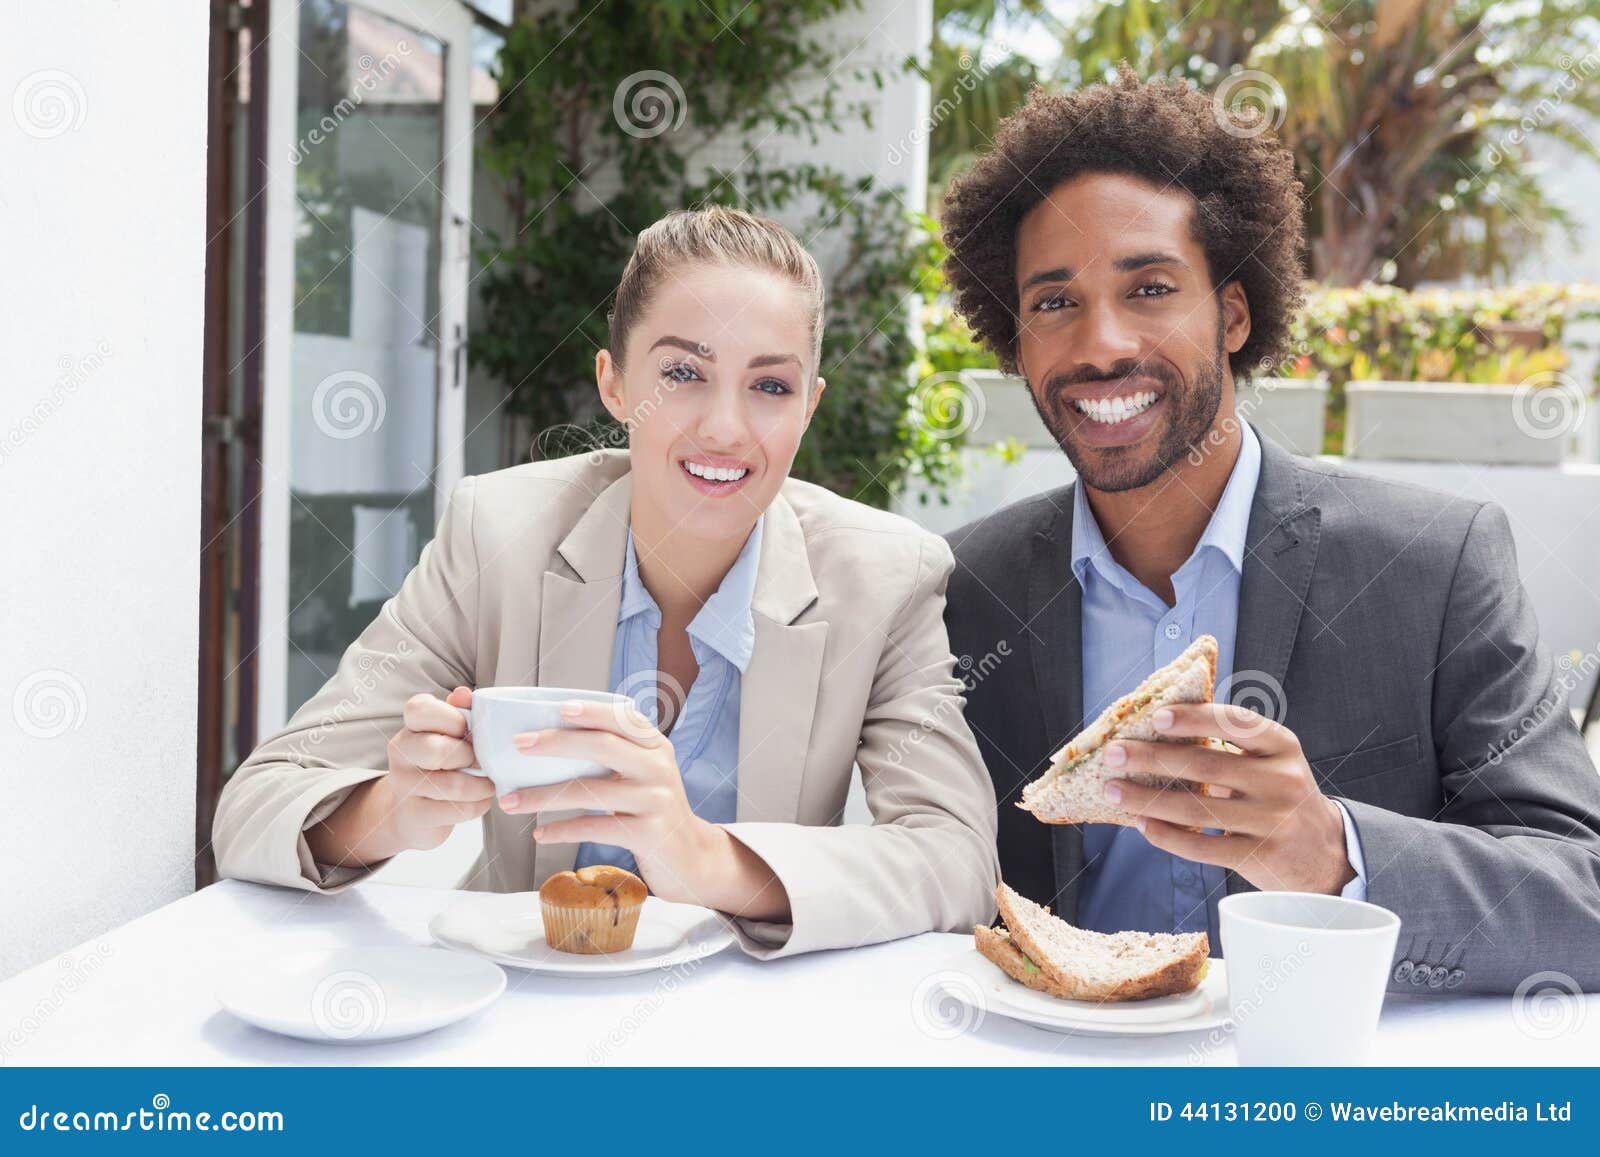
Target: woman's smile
(713,476)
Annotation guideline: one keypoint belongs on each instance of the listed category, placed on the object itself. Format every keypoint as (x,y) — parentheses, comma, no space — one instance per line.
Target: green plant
(608,111)
(1381,333)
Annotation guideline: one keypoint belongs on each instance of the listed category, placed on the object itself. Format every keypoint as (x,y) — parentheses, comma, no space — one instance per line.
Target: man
(1134,254)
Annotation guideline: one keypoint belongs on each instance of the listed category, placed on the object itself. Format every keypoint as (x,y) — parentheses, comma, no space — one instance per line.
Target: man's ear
(608,378)
(816,396)
(1235,317)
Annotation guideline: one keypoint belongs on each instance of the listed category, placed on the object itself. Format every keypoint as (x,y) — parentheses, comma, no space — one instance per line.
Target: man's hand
(1278,830)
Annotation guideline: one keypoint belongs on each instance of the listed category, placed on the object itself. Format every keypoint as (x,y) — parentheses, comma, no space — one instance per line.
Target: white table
(142,995)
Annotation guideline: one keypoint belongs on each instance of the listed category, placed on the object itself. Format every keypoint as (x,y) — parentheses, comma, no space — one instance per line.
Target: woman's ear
(816,396)
(608,377)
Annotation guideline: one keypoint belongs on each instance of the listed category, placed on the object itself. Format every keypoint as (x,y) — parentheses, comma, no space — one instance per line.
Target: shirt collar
(1227,532)
(724,623)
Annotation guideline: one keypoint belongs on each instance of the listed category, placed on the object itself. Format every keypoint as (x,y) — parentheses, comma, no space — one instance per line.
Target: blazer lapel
(1055,626)
(578,620)
(778,692)
(1280,556)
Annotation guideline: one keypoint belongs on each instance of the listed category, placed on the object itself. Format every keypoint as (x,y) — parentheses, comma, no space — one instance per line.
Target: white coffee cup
(498,714)
(1306,975)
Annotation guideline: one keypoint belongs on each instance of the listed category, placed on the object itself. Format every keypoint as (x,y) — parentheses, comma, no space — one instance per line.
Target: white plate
(358,995)
(506,927)
(981,985)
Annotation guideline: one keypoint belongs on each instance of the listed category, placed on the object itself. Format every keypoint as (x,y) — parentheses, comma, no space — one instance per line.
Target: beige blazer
(521,585)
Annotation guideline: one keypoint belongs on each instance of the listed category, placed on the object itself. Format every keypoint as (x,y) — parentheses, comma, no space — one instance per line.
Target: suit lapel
(778,693)
(578,620)
(1280,556)
(1055,626)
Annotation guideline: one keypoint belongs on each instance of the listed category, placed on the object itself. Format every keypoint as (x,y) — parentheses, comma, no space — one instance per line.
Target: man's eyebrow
(1143,260)
(772,360)
(695,347)
(1061,273)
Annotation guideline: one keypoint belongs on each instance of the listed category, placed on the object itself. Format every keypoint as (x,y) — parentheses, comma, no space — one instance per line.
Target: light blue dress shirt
(1128,631)
(705,735)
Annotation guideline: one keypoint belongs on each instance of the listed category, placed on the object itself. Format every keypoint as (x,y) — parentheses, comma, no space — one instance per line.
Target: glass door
(369,156)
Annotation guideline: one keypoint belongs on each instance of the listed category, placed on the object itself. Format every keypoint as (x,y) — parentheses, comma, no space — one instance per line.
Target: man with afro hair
(1135,251)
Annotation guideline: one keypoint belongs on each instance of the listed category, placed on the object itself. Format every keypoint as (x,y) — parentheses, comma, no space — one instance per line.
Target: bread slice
(1075,964)
(1069,790)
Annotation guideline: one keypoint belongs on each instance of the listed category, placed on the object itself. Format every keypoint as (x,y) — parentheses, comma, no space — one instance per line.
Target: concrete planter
(1456,422)
(1287,410)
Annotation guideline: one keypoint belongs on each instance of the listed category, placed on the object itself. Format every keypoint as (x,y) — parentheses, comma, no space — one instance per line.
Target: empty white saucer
(359,995)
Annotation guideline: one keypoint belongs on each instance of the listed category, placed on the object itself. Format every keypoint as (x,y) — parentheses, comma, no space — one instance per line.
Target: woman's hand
(420,800)
(681,856)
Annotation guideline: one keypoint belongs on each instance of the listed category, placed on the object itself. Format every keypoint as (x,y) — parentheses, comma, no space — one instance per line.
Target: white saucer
(979,984)
(359,995)
(506,927)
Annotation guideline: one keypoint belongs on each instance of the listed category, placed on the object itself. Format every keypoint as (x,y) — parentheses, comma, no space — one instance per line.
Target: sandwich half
(1051,956)
(1069,790)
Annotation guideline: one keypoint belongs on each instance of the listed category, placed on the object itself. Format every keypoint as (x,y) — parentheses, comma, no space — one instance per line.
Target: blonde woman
(781,635)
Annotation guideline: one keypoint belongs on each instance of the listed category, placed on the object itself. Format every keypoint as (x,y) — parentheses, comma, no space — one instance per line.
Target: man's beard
(1190,412)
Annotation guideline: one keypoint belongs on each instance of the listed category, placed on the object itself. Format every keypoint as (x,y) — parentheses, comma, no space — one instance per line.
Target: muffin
(595,909)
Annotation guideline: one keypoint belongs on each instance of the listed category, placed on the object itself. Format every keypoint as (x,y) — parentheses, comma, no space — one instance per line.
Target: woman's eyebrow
(772,360)
(699,348)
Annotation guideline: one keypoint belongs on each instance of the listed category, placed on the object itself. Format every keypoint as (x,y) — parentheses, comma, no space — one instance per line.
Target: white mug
(498,714)
(1306,975)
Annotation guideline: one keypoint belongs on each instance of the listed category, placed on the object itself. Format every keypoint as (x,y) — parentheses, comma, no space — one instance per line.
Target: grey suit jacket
(1394,620)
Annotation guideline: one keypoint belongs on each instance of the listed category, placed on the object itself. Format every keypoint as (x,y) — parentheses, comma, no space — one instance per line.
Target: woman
(774,633)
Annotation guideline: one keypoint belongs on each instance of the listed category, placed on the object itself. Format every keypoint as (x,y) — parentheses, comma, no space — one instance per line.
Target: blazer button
(1420,976)
(1402,971)
(1455,978)
(1437,977)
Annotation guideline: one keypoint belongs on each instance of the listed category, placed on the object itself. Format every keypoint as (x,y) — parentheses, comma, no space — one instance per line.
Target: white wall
(102,227)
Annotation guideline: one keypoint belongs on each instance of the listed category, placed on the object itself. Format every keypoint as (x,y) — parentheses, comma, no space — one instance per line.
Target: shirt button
(1403,971)
(1172,630)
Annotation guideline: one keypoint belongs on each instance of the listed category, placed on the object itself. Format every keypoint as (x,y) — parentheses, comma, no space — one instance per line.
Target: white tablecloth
(143,995)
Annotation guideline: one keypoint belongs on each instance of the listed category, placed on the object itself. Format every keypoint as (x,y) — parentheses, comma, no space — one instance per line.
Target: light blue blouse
(705,734)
